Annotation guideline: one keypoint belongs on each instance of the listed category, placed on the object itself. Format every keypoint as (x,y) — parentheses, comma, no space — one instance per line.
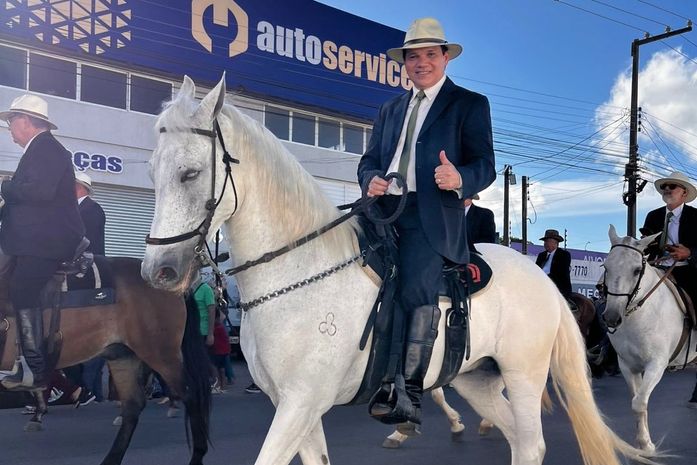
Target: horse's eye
(637,271)
(189,175)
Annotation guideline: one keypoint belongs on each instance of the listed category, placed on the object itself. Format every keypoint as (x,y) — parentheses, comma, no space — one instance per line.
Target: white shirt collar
(677,211)
(431,92)
(79,201)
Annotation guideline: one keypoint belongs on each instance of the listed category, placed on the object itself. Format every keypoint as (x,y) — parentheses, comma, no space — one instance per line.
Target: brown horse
(584,312)
(144,329)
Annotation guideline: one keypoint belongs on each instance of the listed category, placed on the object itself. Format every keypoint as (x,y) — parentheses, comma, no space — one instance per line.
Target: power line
(663,9)
(629,12)
(602,16)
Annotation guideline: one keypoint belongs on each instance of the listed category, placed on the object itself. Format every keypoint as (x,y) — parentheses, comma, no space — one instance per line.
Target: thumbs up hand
(446,175)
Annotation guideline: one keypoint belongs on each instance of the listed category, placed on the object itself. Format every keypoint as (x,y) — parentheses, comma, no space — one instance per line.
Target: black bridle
(631,295)
(212,203)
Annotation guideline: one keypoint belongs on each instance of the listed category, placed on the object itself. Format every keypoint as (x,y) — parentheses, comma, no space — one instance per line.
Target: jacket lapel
(439,104)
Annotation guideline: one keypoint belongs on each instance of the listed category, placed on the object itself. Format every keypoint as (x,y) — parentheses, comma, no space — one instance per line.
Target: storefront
(311,74)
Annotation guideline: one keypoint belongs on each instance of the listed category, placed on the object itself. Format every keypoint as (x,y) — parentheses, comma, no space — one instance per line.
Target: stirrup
(391,404)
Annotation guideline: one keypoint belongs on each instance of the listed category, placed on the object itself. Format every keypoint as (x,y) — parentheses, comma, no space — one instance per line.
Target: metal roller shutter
(129,213)
(340,192)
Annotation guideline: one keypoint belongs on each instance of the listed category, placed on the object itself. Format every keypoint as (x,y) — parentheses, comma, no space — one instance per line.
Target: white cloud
(667,92)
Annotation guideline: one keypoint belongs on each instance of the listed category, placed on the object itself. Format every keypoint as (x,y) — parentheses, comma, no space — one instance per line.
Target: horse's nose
(612,320)
(166,274)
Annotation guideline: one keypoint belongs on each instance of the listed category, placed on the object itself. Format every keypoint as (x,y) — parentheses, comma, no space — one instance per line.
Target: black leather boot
(388,406)
(29,375)
(421,334)
(693,399)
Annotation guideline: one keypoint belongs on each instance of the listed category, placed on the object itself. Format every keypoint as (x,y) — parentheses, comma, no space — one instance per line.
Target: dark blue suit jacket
(40,217)
(94,219)
(459,123)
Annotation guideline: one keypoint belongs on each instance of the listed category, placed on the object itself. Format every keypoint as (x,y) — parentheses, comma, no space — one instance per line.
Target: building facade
(310,73)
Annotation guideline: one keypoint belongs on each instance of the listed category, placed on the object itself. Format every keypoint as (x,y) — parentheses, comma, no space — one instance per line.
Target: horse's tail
(570,374)
(197,395)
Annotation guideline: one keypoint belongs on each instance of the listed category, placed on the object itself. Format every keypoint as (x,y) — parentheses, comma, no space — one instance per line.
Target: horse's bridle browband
(212,203)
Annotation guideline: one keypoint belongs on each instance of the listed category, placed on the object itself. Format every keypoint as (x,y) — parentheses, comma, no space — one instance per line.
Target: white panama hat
(31,105)
(84,180)
(676,177)
(424,32)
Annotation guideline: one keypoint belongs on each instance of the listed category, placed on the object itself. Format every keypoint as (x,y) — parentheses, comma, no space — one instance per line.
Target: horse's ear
(645,241)
(188,89)
(612,234)
(213,102)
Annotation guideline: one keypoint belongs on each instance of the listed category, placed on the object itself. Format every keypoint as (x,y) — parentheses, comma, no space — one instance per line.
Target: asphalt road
(240,421)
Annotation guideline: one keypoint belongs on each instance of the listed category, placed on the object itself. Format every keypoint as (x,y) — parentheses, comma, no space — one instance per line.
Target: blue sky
(558,81)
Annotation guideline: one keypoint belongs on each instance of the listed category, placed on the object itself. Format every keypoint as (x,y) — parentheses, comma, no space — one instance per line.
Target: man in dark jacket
(40,227)
(481,227)
(91,212)
(556,262)
(438,136)
(678,224)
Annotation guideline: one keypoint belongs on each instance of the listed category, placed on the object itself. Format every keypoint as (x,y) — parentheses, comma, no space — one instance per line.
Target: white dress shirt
(426,103)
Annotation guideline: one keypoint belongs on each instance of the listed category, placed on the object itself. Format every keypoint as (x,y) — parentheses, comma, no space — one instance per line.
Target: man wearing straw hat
(438,137)
(40,228)
(677,223)
(677,244)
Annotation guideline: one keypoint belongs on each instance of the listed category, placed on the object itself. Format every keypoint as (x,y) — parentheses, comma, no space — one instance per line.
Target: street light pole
(631,169)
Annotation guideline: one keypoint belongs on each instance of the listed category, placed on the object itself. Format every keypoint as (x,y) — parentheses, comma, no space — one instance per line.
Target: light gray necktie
(406,150)
(664,236)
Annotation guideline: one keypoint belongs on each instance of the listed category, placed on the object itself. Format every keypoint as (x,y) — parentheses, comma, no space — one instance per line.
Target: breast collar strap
(211,204)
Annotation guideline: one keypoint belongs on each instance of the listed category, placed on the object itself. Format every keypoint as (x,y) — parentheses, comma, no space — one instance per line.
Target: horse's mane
(293,196)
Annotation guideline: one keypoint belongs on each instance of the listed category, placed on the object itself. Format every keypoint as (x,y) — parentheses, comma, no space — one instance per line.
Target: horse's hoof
(33,427)
(172,412)
(692,404)
(409,428)
(391,444)
(118,421)
(457,436)
(484,430)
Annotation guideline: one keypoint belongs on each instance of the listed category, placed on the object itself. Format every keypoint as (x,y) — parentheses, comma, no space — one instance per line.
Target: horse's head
(624,269)
(181,169)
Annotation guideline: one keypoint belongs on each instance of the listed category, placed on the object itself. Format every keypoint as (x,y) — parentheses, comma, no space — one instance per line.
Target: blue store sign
(294,50)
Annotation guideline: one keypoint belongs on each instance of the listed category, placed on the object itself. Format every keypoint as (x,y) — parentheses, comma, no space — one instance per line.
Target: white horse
(302,342)
(645,335)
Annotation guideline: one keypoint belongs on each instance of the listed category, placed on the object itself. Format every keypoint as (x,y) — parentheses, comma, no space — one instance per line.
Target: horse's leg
(313,451)
(484,392)
(640,405)
(36,421)
(524,389)
(291,426)
(129,378)
(456,426)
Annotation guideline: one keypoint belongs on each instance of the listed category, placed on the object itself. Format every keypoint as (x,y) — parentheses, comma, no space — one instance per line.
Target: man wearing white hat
(438,136)
(677,223)
(92,213)
(40,227)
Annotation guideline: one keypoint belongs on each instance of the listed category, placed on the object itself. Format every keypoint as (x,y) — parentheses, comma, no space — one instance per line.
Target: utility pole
(506,183)
(524,188)
(631,174)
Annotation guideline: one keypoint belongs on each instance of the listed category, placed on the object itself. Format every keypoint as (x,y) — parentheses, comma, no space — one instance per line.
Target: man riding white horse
(41,227)
(678,242)
(439,138)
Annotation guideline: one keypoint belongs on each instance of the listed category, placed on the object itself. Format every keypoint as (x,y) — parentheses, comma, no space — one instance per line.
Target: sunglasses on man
(670,186)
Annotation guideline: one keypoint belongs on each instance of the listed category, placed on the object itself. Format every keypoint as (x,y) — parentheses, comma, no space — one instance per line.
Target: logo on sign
(220,17)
